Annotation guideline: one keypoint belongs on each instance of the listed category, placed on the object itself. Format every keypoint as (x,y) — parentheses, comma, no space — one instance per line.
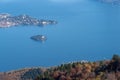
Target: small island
(41,38)
(6,20)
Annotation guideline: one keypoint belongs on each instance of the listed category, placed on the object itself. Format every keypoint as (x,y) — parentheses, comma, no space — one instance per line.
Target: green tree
(116,57)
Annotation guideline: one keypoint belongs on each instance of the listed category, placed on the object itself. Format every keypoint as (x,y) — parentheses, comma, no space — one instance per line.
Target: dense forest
(100,70)
(83,70)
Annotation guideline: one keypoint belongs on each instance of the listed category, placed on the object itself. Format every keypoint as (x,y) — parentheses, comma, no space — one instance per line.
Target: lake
(86,30)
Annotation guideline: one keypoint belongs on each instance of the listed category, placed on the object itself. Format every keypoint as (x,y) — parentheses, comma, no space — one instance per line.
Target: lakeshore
(98,70)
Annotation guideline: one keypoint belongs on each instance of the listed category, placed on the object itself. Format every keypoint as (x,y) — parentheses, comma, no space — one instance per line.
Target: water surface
(86,29)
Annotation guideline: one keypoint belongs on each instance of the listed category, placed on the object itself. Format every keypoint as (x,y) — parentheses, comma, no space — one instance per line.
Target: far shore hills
(83,70)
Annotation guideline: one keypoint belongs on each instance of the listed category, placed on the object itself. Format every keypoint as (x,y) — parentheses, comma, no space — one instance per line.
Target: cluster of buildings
(6,20)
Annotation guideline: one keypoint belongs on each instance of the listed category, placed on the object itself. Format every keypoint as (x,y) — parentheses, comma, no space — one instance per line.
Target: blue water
(86,30)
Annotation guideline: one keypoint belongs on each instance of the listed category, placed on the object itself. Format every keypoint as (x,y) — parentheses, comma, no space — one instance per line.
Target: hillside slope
(99,70)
